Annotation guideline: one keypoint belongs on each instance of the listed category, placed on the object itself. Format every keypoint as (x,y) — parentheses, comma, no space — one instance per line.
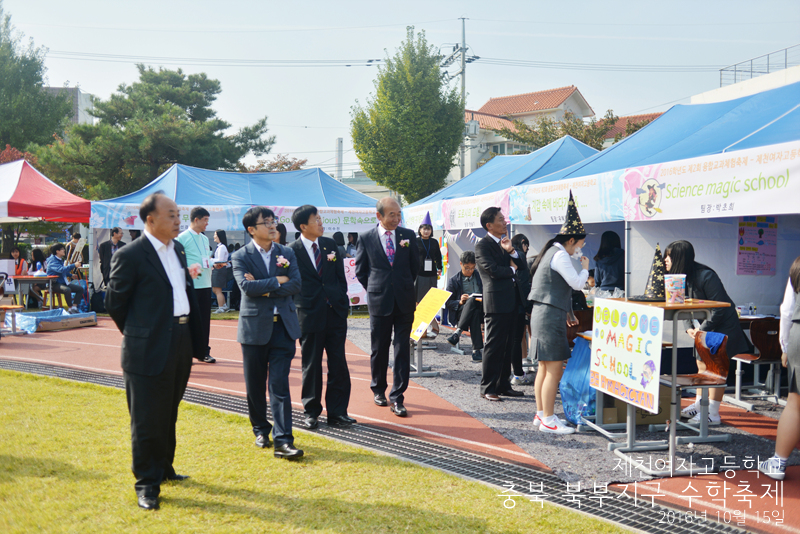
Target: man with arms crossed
(151,299)
(387,262)
(267,274)
(195,243)
(322,307)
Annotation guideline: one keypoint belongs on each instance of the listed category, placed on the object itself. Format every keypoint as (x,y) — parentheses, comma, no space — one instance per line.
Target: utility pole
(463,82)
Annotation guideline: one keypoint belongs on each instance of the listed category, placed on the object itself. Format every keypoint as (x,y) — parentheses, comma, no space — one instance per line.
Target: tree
(12,154)
(546,130)
(28,114)
(279,163)
(164,118)
(409,132)
(631,128)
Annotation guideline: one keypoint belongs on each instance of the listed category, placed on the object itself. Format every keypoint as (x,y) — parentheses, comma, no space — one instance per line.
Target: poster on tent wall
(229,218)
(626,351)
(355,291)
(734,184)
(460,213)
(599,199)
(757,246)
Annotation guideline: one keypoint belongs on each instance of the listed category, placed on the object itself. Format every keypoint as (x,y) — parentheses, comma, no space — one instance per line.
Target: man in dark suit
(466,310)
(387,262)
(267,274)
(106,251)
(497,264)
(151,298)
(322,307)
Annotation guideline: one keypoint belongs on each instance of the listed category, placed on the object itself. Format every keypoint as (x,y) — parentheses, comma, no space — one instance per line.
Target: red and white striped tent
(26,194)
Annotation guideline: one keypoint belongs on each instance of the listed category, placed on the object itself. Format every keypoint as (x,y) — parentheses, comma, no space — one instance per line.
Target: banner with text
(599,199)
(734,184)
(626,351)
(229,218)
(460,213)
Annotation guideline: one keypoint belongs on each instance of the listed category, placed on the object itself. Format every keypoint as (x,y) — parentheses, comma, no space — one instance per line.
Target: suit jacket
(104,250)
(139,299)
(261,296)
(456,288)
(317,292)
(388,283)
(497,276)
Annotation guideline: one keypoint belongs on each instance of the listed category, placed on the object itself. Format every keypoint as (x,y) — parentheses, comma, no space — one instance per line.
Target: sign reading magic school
(626,352)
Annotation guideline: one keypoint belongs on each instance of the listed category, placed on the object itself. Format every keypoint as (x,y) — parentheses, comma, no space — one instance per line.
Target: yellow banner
(427,310)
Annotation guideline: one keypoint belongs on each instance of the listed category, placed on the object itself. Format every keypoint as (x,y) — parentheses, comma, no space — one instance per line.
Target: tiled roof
(538,101)
(619,127)
(487,121)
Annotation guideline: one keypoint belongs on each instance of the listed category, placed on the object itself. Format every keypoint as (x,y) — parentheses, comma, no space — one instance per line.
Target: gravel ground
(582,456)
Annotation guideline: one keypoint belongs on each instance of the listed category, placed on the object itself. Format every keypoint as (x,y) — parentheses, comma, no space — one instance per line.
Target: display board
(426,310)
(757,246)
(626,352)
(355,291)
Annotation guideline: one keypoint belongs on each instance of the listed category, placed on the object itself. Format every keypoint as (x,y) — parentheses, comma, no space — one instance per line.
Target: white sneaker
(690,411)
(538,420)
(558,427)
(773,468)
(524,380)
(73,310)
(712,420)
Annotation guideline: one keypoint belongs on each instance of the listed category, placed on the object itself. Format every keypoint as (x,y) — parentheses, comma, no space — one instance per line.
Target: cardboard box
(643,417)
(68,322)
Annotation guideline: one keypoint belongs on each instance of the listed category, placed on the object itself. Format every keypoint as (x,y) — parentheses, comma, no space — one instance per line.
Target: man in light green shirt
(198,251)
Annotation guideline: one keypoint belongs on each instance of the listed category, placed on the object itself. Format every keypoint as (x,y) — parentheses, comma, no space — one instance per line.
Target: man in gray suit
(268,277)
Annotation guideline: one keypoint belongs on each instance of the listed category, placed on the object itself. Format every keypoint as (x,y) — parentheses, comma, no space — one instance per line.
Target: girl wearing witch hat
(553,279)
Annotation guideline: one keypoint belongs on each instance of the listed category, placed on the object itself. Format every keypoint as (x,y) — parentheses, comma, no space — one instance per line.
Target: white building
(81,103)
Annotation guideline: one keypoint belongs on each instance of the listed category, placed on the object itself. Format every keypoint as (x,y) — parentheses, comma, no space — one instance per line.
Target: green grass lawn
(65,467)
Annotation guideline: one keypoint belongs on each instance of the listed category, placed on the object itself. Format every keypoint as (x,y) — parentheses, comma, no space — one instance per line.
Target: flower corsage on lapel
(282,262)
(404,242)
(332,256)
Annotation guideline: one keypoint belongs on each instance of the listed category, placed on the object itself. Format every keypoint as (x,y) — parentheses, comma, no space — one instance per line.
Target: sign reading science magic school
(734,184)
(626,352)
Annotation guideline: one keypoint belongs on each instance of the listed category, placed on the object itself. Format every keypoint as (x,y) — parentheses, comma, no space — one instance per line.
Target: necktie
(317,258)
(389,248)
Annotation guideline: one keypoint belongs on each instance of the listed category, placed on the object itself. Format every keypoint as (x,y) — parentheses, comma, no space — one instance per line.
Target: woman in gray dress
(789,423)
(553,279)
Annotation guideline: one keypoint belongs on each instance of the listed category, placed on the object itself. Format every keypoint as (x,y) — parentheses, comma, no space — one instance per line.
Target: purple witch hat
(427,219)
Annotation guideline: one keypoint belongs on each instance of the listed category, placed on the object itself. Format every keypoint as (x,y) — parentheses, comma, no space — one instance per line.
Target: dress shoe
(207,359)
(310,422)
(511,393)
(477,356)
(263,441)
(340,420)
(399,410)
(177,478)
(380,399)
(148,503)
(288,452)
(491,397)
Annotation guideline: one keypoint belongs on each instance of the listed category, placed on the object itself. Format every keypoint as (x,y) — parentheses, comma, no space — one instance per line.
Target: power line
(606,67)
(636,24)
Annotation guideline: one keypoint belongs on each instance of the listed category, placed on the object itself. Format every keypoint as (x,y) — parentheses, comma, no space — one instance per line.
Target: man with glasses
(267,274)
(497,264)
(465,304)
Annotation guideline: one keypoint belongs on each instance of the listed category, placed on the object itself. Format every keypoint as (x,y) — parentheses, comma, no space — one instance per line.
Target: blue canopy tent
(500,174)
(228,195)
(705,167)
(689,131)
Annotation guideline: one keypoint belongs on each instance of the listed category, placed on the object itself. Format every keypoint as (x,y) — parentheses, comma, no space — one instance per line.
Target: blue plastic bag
(577,396)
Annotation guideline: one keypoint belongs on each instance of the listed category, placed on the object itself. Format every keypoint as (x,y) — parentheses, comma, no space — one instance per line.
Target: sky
(629,56)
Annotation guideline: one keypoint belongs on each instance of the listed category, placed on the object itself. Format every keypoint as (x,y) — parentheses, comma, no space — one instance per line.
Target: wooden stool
(13,309)
(46,295)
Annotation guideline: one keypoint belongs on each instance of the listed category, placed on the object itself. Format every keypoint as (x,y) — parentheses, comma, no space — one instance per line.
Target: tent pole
(628,265)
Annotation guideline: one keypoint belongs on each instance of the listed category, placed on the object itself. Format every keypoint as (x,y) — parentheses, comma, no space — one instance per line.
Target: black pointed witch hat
(654,291)
(572,225)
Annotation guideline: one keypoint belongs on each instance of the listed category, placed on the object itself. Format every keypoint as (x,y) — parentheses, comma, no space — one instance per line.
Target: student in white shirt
(219,278)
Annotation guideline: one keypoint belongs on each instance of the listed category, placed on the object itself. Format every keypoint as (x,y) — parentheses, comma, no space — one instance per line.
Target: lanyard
(427,247)
(199,248)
